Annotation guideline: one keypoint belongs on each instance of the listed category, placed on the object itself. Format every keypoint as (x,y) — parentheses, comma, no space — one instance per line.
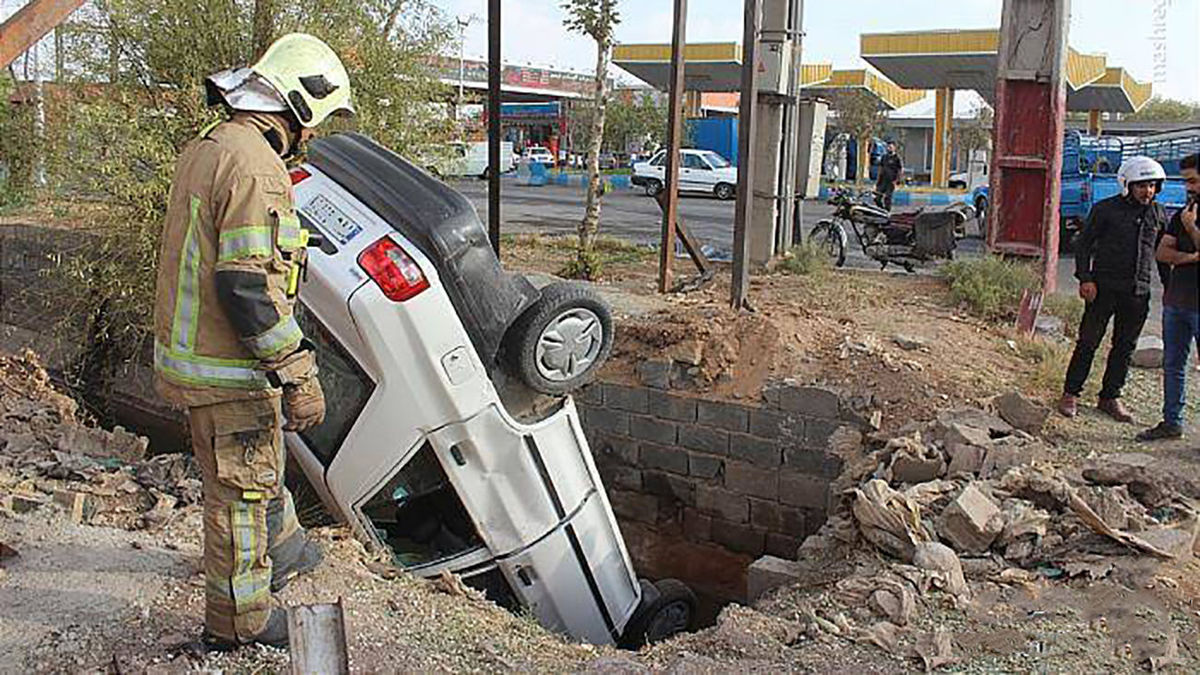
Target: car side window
(694,162)
(342,380)
(659,159)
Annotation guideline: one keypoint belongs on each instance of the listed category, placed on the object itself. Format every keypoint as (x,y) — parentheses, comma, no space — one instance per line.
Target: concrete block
(810,401)
(591,395)
(770,572)
(812,462)
(1149,352)
(804,491)
(603,420)
(723,415)
(962,434)
(1021,412)
(668,407)
(911,469)
(634,506)
(670,486)
(775,517)
(722,503)
(704,466)
(622,477)
(617,449)
(750,480)
(971,522)
(655,374)
(653,429)
(704,439)
(665,457)
(629,399)
(773,425)
(818,432)
(696,525)
(1007,453)
(755,450)
(965,458)
(783,546)
(739,537)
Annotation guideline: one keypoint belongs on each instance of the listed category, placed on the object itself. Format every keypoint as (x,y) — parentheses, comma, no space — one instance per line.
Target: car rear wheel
(669,608)
(724,191)
(559,343)
(653,187)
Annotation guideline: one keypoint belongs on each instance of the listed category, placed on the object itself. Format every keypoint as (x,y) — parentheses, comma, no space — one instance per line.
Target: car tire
(653,187)
(725,191)
(669,609)
(562,340)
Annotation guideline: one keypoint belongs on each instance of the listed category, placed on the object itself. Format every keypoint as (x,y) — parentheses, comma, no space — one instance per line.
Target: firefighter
(228,347)
(1115,264)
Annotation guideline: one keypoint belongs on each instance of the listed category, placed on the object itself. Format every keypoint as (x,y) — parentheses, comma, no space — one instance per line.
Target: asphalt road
(630,215)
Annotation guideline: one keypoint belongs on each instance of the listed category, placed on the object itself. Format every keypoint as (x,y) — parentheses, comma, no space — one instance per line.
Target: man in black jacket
(1115,265)
(890,171)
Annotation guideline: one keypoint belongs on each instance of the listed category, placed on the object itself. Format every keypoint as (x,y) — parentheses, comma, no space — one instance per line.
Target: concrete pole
(747,159)
(769,190)
(943,121)
(793,142)
(1094,123)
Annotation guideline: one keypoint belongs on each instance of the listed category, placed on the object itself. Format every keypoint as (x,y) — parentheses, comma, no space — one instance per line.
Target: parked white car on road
(699,171)
(539,154)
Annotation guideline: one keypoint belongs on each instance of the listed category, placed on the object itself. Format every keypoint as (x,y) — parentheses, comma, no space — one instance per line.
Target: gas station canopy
(888,93)
(709,66)
(967,59)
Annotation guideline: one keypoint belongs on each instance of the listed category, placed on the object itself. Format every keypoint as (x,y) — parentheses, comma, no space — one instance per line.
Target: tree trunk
(590,224)
(264,26)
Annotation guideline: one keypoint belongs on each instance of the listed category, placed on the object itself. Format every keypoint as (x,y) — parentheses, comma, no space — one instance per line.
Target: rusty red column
(1030,109)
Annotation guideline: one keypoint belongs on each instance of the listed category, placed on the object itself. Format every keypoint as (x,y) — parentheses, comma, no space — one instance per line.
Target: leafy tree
(976,133)
(1160,109)
(860,115)
(597,19)
(136,97)
(636,120)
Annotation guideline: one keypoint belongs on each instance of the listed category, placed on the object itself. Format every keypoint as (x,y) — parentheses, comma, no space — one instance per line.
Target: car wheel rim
(671,620)
(569,344)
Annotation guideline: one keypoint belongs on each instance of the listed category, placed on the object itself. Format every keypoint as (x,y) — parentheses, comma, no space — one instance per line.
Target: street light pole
(462,58)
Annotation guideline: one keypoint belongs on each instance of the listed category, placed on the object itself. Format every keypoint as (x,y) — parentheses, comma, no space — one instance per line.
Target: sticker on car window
(332,220)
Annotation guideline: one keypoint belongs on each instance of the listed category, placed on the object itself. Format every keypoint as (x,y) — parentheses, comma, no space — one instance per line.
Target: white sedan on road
(699,171)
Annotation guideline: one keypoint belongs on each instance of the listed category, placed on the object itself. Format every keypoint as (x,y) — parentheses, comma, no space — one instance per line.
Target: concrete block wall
(753,479)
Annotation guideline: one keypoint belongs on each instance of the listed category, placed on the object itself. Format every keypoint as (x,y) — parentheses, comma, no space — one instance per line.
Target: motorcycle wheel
(829,237)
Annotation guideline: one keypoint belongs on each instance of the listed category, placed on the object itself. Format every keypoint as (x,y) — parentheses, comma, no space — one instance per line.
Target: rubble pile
(970,504)
(48,456)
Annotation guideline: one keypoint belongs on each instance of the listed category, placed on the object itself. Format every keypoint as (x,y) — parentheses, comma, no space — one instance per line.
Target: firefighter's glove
(303,400)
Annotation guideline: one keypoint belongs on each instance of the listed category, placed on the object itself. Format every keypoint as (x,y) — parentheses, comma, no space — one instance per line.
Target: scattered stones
(965,459)
(909,343)
(769,572)
(1021,412)
(1151,481)
(1149,352)
(971,522)
(935,557)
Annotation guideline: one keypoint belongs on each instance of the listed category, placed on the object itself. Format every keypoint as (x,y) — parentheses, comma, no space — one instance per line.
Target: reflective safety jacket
(231,248)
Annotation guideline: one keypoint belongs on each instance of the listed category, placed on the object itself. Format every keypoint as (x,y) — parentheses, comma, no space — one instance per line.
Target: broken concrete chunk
(769,572)
(1021,412)
(1149,352)
(973,417)
(909,343)
(962,434)
(1007,453)
(935,557)
(920,466)
(1151,481)
(971,522)
(965,458)
(894,601)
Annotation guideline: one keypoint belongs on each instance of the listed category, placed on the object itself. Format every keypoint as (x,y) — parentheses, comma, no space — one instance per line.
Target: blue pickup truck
(1089,174)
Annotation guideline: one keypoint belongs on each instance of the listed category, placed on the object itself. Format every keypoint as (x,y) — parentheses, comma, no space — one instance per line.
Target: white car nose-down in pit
(431,357)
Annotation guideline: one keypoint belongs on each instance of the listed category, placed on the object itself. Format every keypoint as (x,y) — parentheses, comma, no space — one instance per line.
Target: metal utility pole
(1030,112)
(495,128)
(747,132)
(462,63)
(674,141)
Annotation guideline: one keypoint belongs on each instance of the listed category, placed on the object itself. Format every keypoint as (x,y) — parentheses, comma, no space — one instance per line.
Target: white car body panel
(690,179)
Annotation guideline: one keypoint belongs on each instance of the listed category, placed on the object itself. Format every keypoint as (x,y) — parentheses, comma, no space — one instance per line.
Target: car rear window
(347,388)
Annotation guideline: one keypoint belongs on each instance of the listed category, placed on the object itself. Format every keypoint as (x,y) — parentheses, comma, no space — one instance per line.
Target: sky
(1124,30)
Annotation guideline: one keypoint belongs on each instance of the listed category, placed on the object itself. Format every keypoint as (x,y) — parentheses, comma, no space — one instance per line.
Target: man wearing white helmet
(1181,304)
(1115,264)
(227,346)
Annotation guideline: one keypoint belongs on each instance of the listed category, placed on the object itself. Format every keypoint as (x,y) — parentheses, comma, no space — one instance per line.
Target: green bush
(991,286)
(804,260)
(17,148)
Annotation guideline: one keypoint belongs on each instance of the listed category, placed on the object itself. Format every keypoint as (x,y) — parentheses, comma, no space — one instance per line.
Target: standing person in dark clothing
(1181,305)
(1115,265)
(890,171)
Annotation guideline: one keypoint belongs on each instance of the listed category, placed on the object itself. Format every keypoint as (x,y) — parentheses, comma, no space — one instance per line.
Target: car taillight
(397,274)
(298,174)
